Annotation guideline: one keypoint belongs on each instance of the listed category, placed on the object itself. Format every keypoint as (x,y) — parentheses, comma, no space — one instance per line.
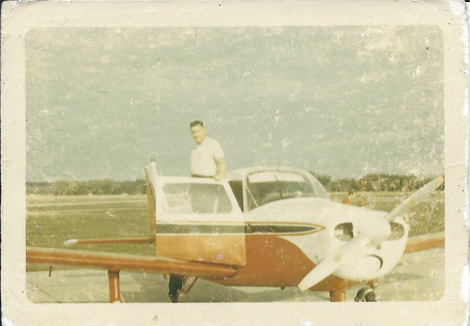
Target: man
(207,158)
(207,161)
(347,200)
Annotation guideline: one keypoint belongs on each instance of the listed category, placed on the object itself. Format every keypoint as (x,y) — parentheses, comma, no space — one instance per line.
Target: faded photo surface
(205,163)
(359,108)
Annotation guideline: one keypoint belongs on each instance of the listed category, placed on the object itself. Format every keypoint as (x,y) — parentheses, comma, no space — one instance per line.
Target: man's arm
(221,166)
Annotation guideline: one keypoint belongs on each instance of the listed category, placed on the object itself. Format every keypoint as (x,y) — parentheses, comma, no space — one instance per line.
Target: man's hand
(218,177)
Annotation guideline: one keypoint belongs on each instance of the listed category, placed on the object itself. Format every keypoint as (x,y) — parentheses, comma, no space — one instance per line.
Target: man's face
(199,133)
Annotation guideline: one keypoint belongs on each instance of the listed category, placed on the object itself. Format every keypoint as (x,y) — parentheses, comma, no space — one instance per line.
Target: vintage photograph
(319,132)
(237,163)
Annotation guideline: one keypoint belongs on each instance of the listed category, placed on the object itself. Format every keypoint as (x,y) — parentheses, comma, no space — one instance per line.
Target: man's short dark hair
(196,123)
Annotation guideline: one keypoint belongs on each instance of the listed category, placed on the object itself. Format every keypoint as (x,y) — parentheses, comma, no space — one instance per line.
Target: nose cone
(377,230)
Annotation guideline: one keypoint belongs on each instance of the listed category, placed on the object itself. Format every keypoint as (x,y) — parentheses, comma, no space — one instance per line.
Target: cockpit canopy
(256,187)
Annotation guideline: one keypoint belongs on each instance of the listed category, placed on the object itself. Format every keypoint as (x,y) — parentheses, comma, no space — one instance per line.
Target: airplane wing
(114,263)
(424,242)
(117,262)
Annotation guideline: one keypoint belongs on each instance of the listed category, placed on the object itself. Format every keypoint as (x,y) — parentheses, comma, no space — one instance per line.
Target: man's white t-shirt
(203,158)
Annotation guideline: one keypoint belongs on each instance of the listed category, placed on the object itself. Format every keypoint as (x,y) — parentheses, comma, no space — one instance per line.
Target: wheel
(365,294)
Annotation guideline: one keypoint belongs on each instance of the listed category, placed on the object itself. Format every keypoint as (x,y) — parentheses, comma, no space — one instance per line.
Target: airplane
(261,226)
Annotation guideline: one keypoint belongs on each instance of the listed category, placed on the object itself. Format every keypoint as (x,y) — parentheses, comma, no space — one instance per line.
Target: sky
(344,101)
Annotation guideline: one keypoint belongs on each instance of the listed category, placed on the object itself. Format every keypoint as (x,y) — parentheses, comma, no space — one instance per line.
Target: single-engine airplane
(270,227)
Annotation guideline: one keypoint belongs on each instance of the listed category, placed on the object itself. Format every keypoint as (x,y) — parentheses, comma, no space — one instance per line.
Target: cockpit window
(266,187)
(196,198)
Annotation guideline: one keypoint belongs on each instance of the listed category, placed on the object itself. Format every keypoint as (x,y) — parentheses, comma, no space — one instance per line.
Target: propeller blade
(333,262)
(414,199)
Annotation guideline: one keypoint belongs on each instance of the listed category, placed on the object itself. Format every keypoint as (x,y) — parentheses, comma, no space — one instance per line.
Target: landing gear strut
(338,296)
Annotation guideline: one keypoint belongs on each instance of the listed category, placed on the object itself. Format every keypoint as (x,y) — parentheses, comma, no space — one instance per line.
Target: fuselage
(272,225)
(295,234)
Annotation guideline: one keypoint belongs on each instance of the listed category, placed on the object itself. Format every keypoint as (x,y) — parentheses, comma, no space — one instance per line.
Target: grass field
(51,220)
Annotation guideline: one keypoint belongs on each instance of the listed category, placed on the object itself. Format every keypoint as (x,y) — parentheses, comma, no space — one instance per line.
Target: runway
(418,277)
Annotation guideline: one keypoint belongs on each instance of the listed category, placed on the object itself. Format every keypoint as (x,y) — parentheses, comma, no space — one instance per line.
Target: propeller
(411,201)
(365,237)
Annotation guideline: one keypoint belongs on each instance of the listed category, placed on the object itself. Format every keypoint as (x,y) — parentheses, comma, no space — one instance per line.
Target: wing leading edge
(118,262)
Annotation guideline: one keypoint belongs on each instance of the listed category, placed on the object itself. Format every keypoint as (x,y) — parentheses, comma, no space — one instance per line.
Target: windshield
(266,187)
(195,198)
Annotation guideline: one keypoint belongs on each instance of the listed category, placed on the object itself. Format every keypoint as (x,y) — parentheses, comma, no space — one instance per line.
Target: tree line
(374,182)
(370,182)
